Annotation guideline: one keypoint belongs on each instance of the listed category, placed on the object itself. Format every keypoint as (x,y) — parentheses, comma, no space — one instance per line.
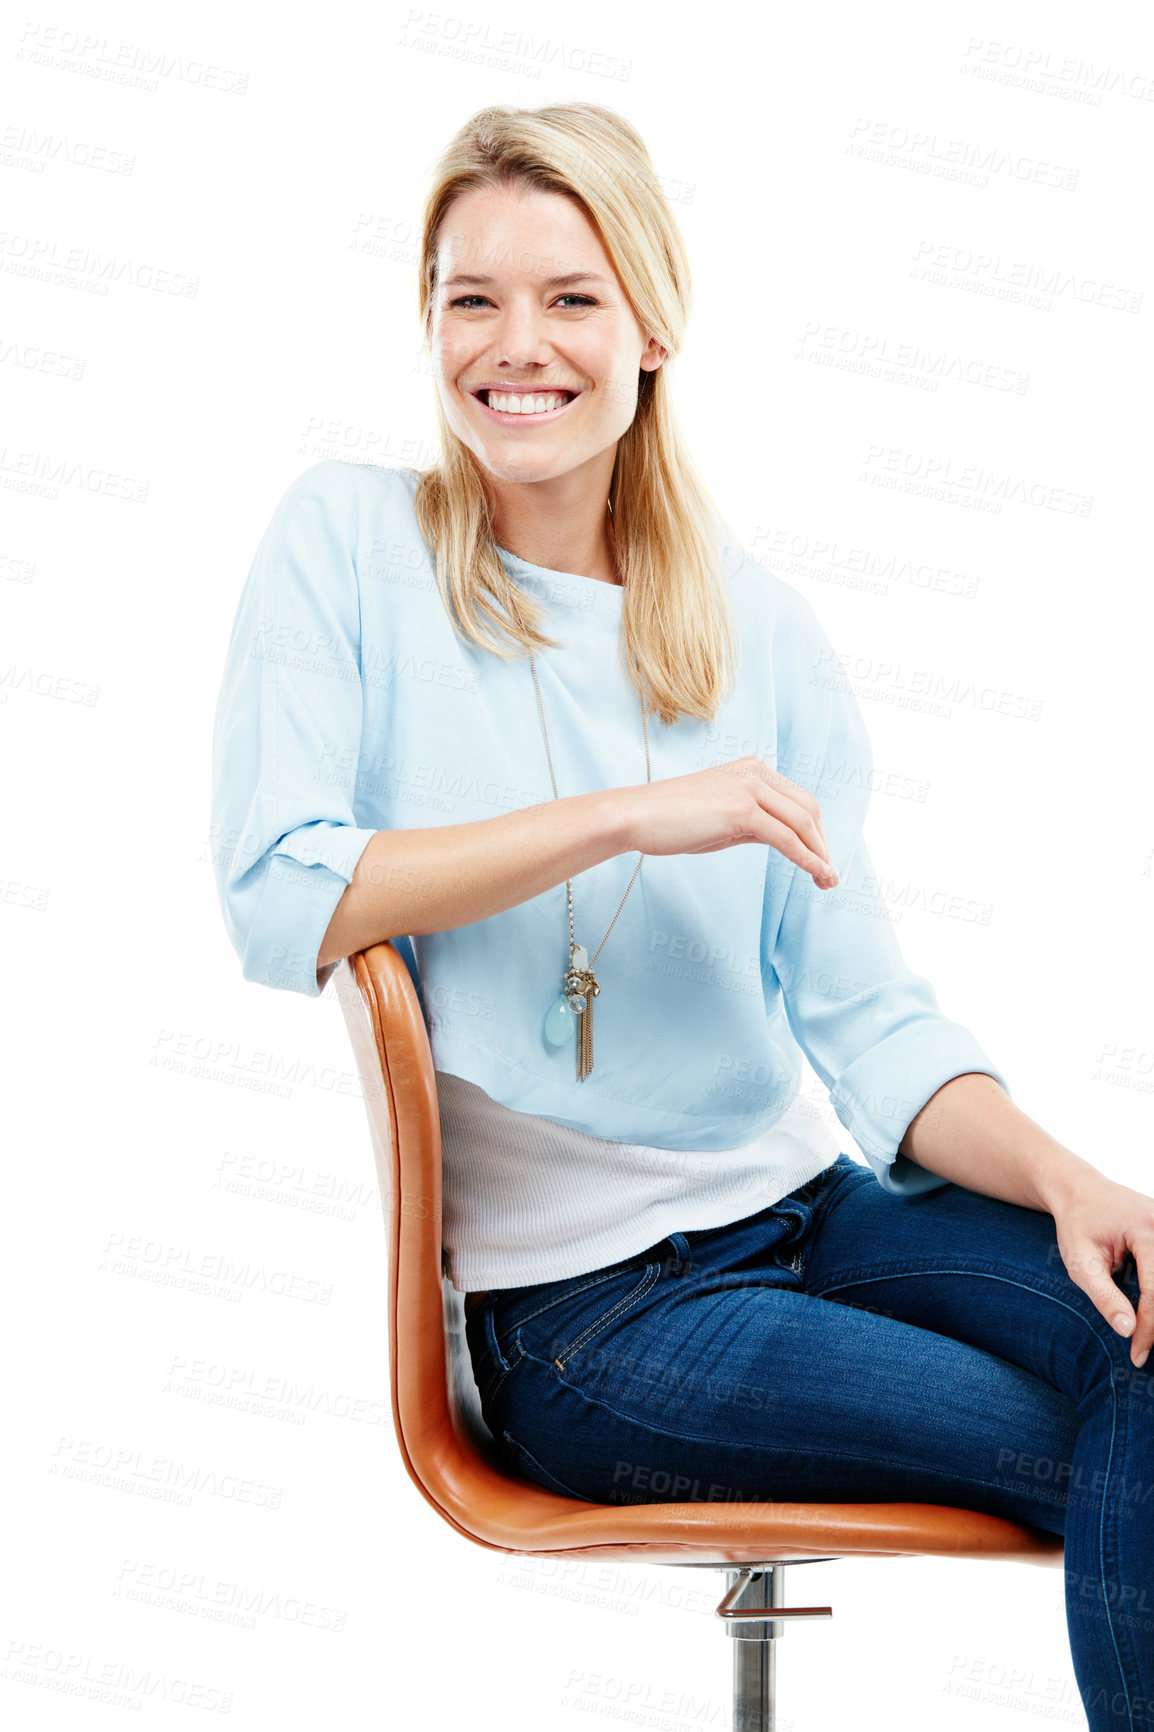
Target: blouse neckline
(552,579)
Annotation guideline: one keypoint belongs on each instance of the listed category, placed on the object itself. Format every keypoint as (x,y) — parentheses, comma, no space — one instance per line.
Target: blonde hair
(676,624)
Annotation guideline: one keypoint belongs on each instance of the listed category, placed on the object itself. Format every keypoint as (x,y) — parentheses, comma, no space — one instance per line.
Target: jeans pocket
(612,1314)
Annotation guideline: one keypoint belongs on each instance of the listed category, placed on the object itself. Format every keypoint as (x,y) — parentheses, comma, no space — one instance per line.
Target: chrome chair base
(753,1589)
(750,1592)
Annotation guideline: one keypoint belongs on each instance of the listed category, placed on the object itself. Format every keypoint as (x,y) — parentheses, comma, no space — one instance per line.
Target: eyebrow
(550,282)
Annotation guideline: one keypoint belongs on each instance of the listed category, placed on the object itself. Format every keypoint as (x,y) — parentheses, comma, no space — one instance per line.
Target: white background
(827,168)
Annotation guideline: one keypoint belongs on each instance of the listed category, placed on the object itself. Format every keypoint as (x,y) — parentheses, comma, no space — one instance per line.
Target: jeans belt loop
(491,1341)
(680,1262)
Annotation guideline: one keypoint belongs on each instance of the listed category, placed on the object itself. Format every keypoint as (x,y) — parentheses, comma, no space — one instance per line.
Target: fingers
(1090,1269)
(1143,1338)
(802,817)
(785,839)
(784,799)
(794,806)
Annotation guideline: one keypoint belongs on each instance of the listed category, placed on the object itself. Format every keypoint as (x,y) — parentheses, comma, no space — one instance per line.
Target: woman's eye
(462,299)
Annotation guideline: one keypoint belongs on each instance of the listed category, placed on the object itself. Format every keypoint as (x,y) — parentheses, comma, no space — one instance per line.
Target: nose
(522,335)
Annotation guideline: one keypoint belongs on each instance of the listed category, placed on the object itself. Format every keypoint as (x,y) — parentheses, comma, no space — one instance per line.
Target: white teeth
(539,403)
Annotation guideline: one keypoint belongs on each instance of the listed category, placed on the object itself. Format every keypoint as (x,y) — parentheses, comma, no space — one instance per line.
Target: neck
(562,524)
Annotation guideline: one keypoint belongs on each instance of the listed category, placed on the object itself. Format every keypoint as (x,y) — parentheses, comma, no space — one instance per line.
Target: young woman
(535,715)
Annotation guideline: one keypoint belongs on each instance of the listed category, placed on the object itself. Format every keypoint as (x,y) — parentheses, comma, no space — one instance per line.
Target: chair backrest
(445,1444)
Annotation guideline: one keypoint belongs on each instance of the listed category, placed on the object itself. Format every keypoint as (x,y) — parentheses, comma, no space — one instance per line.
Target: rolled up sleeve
(286,737)
(872,1029)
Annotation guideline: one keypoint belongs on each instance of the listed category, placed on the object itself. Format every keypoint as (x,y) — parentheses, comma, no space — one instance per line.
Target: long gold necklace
(574,1006)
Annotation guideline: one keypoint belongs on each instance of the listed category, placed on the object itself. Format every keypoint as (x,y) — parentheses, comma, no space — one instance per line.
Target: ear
(653,355)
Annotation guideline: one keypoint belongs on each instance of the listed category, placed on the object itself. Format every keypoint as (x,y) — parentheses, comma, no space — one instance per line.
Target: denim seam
(1102,1552)
(596,1280)
(595,1328)
(907,1274)
(987,1269)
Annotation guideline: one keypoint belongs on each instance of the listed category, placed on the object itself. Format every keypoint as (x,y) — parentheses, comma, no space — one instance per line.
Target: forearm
(971,1132)
(415,881)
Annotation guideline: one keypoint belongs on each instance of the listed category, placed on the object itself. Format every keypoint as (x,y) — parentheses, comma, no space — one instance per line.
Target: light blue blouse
(350,704)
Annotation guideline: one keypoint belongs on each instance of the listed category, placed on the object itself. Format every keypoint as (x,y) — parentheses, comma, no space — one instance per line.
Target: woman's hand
(742,801)
(1101,1225)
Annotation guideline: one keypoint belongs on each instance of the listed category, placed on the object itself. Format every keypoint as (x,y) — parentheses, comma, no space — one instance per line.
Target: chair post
(755,1650)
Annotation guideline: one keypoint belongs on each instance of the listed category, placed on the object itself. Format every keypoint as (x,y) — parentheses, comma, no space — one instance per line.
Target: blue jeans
(850,1345)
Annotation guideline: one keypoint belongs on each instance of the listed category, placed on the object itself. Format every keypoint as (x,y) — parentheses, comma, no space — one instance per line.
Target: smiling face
(529,315)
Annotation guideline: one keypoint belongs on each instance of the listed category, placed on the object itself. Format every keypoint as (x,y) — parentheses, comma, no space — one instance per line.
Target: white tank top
(526,1199)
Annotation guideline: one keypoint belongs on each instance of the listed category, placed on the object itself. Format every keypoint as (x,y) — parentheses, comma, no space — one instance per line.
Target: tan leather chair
(450,1455)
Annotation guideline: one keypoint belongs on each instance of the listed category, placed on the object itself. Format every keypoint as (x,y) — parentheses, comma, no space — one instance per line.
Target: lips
(528,420)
